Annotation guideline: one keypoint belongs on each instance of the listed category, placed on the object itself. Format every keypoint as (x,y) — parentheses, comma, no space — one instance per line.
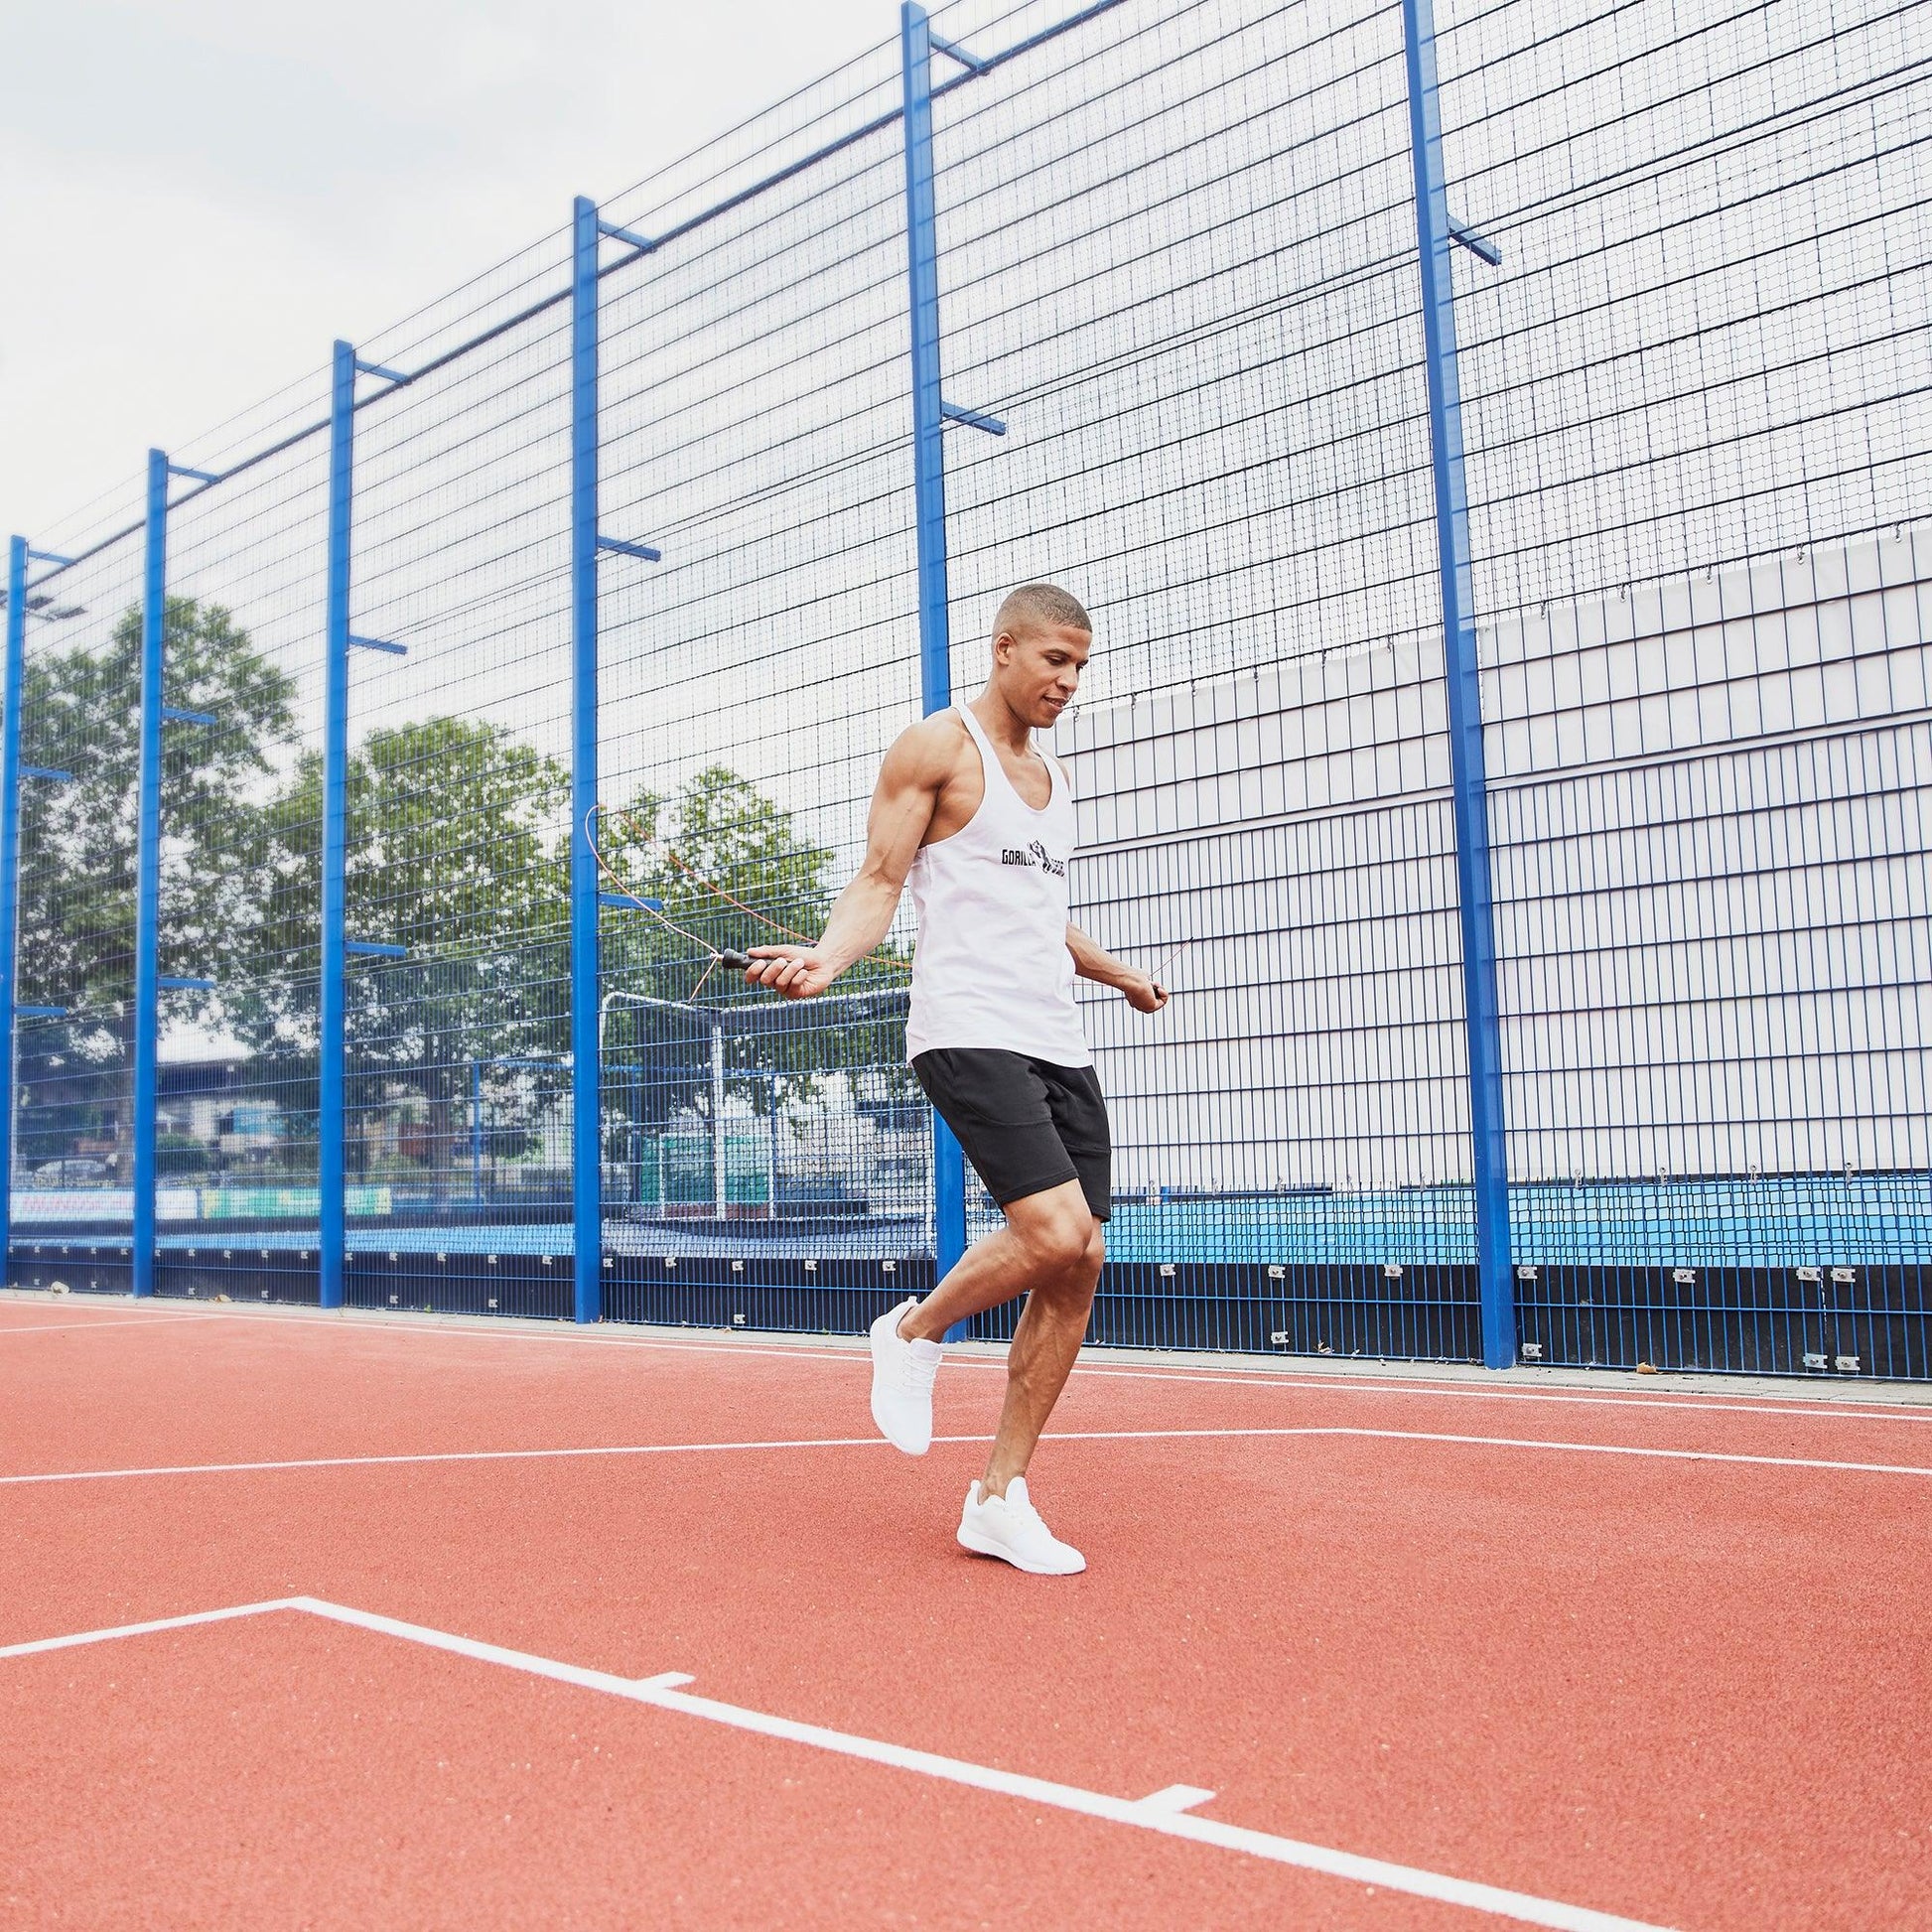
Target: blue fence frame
(10,863)
(1471,1306)
(1482,1027)
(929,490)
(147,933)
(331,1127)
(586,1080)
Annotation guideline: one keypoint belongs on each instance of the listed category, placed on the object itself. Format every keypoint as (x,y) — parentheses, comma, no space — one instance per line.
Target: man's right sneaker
(901,1383)
(1008,1527)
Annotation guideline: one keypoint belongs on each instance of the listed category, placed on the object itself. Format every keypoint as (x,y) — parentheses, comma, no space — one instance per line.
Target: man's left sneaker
(901,1383)
(1008,1527)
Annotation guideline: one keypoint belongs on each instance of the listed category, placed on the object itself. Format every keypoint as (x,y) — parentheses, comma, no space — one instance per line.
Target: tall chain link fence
(315,994)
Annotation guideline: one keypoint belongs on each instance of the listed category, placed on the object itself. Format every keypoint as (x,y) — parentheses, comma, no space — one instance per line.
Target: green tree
(457,851)
(731,870)
(81,712)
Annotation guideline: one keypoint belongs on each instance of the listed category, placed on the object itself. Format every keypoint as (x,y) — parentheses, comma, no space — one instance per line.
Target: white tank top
(992,967)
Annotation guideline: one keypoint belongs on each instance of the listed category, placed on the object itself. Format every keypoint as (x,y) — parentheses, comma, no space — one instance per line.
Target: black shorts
(1027,1125)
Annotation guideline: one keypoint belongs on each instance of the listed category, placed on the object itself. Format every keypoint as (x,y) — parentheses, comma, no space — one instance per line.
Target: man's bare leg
(1050,1249)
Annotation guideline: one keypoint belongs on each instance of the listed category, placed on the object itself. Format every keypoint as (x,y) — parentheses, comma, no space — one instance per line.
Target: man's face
(1040,670)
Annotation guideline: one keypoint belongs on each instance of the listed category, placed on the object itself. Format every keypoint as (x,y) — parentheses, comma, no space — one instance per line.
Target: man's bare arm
(902,803)
(1094,961)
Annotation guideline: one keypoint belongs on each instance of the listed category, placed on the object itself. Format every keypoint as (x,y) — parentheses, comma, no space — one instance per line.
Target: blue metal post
(586,1058)
(10,873)
(1468,772)
(147,876)
(929,503)
(333,1121)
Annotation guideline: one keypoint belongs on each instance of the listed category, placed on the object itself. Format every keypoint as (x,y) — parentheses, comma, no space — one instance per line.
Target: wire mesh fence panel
(1701,433)
(753,393)
(1179,265)
(458,1152)
(620,545)
(235,1188)
(775,1159)
(72,1194)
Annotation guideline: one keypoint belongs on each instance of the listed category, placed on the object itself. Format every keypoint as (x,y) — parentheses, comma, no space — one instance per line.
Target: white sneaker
(1008,1527)
(901,1383)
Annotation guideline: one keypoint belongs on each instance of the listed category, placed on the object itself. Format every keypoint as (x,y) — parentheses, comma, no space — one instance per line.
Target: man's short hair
(1040,606)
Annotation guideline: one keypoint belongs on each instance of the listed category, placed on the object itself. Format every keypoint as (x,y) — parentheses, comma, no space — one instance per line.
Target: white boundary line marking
(1633,1448)
(1744,1402)
(43,1644)
(462,1456)
(1057,1436)
(1167,1812)
(9,1329)
(1741,1404)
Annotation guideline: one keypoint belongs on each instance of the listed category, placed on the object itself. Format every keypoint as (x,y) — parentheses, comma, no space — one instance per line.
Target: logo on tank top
(1035,858)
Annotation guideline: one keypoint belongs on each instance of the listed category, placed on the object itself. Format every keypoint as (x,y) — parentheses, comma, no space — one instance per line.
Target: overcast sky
(201,194)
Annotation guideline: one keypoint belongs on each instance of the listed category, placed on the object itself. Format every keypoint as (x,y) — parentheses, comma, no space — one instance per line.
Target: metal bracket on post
(378,644)
(620,548)
(1479,245)
(1468,775)
(40,1012)
(183,983)
(373,949)
(644,244)
(50,773)
(970,61)
(929,500)
(972,418)
(194,475)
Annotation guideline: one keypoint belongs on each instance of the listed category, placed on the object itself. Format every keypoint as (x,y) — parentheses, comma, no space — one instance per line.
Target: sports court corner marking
(1170,1812)
(152,1627)
(1175,1798)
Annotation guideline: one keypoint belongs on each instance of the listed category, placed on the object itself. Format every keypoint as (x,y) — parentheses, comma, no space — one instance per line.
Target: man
(981,825)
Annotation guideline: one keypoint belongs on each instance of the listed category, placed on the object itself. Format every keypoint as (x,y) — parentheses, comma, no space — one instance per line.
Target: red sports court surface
(1353,1651)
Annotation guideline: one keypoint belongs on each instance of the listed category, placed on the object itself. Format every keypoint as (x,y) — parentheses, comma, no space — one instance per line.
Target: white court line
(874,1441)
(1631,1448)
(1168,1812)
(463,1456)
(1482,1441)
(1741,1402)
(40,1645)
(1744,1402)
(8,1328)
